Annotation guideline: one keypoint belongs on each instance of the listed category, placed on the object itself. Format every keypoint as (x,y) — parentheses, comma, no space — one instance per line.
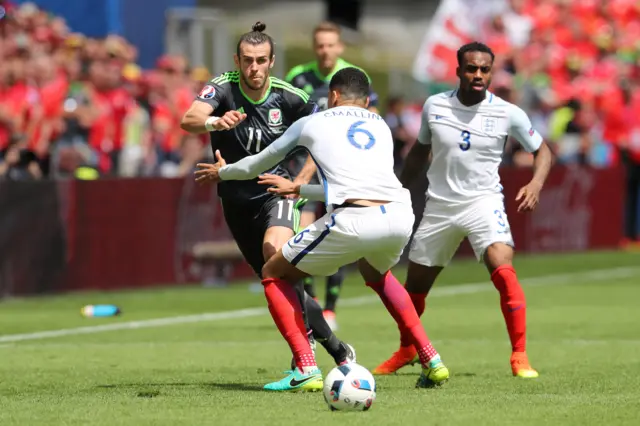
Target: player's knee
(498,254)
(420,278)
(268,251)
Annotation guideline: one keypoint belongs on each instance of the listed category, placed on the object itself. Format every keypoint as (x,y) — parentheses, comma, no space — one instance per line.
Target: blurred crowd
(574,66)
(81,107)
(77,106)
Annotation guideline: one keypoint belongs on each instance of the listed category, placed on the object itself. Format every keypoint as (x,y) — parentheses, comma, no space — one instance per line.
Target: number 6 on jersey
(354,130)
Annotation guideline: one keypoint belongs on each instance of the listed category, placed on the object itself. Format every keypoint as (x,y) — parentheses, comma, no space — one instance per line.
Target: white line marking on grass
(453,290)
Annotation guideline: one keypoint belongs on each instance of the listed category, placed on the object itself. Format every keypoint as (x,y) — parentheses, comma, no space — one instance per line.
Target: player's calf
(498,259)
(398,303)
(420,279)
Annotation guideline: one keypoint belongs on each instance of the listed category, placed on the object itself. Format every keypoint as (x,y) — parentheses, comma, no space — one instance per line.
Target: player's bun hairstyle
(475,46)
(255,37)
(259,27)
(351,83)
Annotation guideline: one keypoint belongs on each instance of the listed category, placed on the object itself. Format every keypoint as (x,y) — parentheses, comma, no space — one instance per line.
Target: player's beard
(251,84)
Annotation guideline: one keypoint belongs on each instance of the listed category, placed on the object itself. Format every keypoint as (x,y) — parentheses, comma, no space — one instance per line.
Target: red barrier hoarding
(119,233)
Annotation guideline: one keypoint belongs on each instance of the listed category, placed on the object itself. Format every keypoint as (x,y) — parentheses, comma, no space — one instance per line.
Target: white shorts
(378,234)
(444,226)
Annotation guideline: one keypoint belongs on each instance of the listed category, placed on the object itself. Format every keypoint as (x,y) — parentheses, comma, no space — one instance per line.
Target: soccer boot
(406,355)
(330,318)
(351,353)
(520,366)
(296,381)
(433,376)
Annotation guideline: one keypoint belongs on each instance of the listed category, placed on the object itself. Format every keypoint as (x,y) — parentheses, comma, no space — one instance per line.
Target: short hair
(329,27)
(255,37)
(352,83)
(475,46)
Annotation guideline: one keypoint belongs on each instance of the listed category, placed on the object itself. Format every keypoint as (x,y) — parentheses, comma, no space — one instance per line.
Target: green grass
(583,338)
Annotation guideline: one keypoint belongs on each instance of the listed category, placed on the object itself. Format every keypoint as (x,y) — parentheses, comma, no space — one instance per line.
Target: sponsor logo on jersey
(275,117)
(207,92)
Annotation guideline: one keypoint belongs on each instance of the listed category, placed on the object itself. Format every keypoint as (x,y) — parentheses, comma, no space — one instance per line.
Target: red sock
(418,300)
(287,314)
(513,304)
(399,304)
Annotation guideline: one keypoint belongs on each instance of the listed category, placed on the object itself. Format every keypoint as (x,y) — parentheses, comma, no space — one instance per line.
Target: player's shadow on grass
(206,385)
(236,387)
(463,374)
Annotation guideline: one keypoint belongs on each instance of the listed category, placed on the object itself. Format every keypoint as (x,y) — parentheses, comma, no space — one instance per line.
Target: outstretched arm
(250,167)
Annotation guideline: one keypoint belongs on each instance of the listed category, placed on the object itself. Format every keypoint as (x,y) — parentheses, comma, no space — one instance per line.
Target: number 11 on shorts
(289,208)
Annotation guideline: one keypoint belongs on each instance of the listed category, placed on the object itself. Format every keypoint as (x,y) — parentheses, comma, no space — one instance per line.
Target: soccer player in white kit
(369,220)
(465,130)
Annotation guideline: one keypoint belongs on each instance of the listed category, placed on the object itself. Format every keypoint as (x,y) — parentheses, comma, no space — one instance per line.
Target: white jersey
(353,151)
(468,143)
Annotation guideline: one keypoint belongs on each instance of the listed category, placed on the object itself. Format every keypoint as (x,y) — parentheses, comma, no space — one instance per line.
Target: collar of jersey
(340,64)
(264,98)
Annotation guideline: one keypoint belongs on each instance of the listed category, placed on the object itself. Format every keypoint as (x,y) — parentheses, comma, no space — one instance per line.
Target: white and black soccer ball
(349,387)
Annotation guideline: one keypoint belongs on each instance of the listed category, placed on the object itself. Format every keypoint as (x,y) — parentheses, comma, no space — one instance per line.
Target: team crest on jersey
(207,92)
(275,117)
(489,125)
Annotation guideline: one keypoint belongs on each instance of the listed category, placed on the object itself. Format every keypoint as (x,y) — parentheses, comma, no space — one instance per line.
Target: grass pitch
(584,325)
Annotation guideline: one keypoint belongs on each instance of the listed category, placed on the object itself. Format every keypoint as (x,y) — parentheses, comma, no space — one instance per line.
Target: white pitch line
(453,290)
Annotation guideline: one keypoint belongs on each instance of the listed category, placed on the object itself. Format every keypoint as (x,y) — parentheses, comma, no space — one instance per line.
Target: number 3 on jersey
(466,138)
(354,129)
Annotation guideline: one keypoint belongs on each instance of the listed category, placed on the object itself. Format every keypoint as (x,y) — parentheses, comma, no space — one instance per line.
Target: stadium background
(109,203)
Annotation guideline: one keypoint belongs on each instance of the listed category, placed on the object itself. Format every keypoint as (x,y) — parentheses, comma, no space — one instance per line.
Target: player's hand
(280,185)
(210,173)
(530,196)
(229,120)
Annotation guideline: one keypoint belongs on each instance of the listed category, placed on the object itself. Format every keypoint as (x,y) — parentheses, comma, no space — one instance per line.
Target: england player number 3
(360,142)
(466,138)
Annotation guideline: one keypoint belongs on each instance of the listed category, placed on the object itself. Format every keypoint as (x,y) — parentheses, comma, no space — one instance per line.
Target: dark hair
(474,47)
(352,83)
(255,37)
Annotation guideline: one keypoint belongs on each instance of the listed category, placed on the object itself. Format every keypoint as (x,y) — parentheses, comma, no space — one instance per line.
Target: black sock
(322,333)
(308,287)
(302,296)
(334,283)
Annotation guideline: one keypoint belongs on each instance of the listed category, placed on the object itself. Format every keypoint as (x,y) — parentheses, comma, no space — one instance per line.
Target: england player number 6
(351,136)
(466,138)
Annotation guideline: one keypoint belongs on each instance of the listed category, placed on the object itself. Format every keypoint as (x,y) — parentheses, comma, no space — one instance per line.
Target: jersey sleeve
(520,128)
(424,135)
(251,166)
(215,94)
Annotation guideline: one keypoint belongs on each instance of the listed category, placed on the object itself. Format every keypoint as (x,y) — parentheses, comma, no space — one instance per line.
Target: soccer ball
(349,387)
